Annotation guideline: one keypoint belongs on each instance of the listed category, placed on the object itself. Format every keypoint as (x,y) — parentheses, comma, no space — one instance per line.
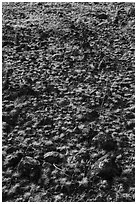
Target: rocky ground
(68,102)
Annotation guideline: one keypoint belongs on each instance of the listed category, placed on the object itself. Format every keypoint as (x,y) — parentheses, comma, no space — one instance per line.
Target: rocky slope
(68,102)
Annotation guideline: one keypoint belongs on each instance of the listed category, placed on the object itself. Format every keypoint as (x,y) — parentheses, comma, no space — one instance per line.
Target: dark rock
(23,59)
(14,113)
(105,167)
(44,43)
(26,90)
(131,12)
(53,157)
(130,115)
(43,35)
(108,145)
(12,117)
(45,121)
(11,149)
(22,15)
(4,195)
(89,136)
(130,125)
(125,84)
(92,133)
(29,168)
(9,107)
(116,20)
(5,84)
(49,145)
(40,4)
(9,72)
(12,160)
(28,81)
(5,117)
(7,43)
(50,89)
(89,117)
(6,127)
(19,48)
(102,16)
(12,96)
